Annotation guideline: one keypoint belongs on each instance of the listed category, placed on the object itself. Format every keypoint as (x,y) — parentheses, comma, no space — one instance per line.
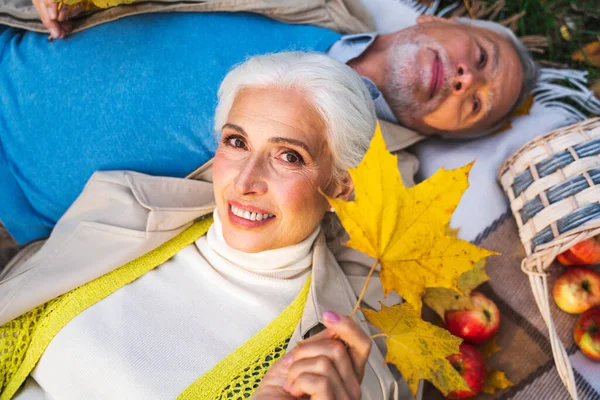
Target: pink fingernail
(51,13)
(55,33)
(331,316)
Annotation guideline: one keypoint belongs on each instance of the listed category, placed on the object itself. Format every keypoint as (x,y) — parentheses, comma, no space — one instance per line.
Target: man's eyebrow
(495,55)
(293,142)
(236,128)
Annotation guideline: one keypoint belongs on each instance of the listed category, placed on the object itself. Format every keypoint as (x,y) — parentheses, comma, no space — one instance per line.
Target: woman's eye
(482,58)
(476,105)
(236,142)
(292,158)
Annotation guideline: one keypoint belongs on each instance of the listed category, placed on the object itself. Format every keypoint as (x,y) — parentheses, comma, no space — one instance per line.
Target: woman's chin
(246,244)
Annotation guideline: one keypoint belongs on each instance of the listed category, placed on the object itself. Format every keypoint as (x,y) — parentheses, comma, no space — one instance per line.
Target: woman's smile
(248,216)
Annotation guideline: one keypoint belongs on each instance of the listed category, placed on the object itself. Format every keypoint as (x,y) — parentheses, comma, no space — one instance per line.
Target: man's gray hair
(334,90)
(530,68)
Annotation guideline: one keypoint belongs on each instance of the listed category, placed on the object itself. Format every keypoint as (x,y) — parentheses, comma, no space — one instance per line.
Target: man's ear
(423,19)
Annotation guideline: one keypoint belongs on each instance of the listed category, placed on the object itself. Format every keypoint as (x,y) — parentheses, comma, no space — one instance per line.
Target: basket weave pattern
(553,184)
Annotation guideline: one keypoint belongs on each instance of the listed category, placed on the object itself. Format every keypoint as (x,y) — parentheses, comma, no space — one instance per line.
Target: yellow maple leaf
(89,4)
(489,348)
(418,348)
(590,54)
(495,380)
(524,109)
(405,228)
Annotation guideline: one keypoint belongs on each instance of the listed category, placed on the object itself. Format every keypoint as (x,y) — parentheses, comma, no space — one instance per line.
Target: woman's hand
(54,19)
(329,365)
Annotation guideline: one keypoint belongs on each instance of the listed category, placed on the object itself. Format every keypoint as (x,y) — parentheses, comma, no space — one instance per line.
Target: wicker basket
(553,183)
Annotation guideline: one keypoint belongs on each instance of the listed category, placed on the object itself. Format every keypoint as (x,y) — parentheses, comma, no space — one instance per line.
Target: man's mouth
(248,215)
(437,76)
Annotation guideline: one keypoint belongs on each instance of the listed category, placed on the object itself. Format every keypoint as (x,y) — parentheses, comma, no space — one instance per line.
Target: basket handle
(539,288)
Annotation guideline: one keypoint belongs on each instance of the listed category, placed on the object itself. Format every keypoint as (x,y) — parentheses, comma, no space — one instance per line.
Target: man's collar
(382,108)
(350,47)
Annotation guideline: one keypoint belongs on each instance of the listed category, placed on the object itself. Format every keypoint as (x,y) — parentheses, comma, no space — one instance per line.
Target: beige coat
(122,215)
(344,16)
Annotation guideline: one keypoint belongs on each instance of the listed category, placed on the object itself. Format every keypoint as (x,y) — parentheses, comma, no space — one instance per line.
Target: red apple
(475,325)
(586,252)
(587,333)
(471,366)
(577,290)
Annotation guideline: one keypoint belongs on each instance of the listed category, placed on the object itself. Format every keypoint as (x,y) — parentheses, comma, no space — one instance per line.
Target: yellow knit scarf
(24,339)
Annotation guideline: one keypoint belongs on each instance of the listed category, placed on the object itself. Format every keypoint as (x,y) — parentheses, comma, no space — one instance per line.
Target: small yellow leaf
(564,32)
(468,281)
(489,348)
(418,348)
(441,300)
(523,110)
(495,380)
(590,54)
(405,228)
(595,87)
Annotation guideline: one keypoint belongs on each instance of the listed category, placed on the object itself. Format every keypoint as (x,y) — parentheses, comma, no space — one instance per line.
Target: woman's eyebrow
(276,140)
(293,142)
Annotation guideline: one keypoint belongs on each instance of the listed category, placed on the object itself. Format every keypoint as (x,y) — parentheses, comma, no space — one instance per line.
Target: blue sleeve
(138,93)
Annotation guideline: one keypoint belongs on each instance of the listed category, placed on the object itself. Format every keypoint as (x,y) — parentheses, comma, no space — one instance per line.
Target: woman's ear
(344,189)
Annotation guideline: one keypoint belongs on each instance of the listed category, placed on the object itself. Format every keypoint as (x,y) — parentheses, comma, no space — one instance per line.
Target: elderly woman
(134,296)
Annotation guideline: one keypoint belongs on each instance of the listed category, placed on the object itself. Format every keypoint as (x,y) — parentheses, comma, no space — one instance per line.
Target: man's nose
(463,79)
(251,178)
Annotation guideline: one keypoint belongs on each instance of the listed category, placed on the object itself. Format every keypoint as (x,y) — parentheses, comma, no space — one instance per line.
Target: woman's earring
(331,209)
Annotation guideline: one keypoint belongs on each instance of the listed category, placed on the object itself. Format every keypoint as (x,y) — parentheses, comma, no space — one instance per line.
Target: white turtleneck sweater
(154,337)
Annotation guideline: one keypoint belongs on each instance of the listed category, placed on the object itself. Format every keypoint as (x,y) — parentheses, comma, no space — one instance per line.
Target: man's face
(451,78)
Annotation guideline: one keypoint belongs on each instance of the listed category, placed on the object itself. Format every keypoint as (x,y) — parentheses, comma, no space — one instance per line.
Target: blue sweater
(138,93)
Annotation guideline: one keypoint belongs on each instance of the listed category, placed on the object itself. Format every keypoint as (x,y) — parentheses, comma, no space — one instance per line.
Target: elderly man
(138,94)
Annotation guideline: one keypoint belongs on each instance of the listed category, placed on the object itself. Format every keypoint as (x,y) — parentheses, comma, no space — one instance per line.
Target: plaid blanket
(526,354)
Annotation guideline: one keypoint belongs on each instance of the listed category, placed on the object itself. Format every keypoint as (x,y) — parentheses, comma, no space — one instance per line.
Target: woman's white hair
(333,89)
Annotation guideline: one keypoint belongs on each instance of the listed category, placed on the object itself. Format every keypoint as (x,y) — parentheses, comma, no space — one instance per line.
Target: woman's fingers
(358,342)
(50,23)
(318,387)
(63,13)
(55,20)
(318,377)
(333,350)
(271,386)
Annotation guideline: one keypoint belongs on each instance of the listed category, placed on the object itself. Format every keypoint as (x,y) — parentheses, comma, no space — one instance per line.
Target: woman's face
(272,160)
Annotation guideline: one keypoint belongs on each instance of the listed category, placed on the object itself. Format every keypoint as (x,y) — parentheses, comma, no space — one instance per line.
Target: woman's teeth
(252,216)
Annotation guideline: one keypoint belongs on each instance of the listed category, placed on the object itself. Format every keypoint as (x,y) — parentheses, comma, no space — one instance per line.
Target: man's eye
(292,157)
(482,58)
(476,105)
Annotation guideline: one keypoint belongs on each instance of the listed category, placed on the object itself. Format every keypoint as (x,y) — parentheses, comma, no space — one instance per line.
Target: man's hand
(328,366)
(54,19)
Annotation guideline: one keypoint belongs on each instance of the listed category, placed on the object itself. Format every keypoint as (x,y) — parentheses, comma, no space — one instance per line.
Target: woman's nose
(251,179)
(463,79)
